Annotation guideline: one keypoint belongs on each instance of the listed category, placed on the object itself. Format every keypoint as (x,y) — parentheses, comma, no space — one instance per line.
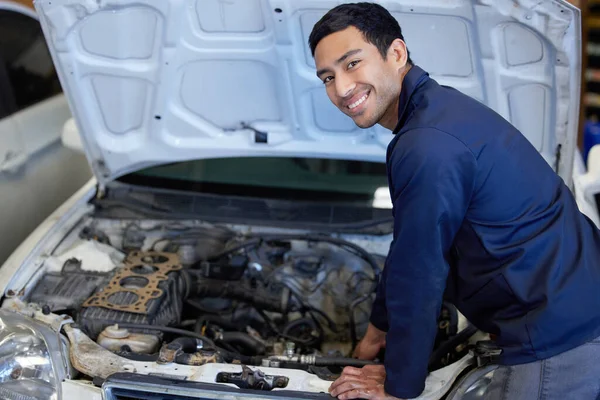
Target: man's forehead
(336,44)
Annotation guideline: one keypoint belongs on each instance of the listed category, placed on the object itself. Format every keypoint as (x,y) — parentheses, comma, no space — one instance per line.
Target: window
(27,74)
(318,180)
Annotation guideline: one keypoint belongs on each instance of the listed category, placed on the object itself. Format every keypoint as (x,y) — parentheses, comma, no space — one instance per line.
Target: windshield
(271,177)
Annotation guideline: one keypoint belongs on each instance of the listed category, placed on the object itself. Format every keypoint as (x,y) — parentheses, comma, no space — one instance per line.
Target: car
(33,110)
(231,240)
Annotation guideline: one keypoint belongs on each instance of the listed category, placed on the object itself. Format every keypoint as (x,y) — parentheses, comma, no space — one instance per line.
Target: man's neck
(390,120)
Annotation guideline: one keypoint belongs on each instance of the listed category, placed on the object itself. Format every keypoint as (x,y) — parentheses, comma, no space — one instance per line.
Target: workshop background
(38,173)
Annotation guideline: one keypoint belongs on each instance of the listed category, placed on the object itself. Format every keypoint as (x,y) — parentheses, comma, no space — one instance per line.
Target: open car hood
(152,82)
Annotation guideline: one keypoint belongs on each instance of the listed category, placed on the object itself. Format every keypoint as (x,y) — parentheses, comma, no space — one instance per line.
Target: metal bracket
(249,379)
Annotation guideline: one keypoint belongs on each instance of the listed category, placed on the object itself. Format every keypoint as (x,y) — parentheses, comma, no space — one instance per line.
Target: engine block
(146,290)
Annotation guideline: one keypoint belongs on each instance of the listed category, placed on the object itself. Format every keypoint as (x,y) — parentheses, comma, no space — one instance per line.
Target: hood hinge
(100,191)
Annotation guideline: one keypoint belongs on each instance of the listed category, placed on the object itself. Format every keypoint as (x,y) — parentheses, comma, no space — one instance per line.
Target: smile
(359,101)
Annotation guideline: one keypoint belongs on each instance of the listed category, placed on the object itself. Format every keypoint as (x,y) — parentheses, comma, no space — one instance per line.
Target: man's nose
(344,85)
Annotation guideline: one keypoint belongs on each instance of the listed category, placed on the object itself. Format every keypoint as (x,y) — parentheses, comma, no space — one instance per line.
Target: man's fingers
(344,378)
(348,386)
(353,394)
(348,373)
(370,393)
(352,371)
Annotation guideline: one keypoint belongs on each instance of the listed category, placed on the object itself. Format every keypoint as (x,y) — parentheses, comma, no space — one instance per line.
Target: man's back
(525,263)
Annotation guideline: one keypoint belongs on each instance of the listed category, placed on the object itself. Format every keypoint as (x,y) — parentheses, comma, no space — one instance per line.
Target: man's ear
(398,53)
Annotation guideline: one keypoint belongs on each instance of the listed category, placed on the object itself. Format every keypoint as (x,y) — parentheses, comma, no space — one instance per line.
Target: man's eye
(352,63)
(327,79)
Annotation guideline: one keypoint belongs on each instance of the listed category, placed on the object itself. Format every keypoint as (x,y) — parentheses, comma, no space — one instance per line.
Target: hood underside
(152,82)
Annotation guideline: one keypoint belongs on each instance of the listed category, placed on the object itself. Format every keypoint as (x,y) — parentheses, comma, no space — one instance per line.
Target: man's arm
(433,176)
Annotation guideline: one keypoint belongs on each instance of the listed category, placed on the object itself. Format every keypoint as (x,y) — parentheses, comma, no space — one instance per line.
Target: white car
(231,240)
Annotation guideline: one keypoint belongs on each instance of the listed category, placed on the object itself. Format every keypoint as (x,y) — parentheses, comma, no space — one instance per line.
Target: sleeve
(379,310)
(433,176)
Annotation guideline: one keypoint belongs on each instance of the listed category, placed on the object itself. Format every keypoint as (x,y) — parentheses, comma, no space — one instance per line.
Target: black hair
(376,23)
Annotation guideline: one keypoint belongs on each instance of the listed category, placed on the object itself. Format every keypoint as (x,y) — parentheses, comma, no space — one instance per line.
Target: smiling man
(480,217)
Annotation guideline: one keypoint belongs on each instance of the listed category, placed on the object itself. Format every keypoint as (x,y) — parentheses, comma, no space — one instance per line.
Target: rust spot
(168,353)
(203,357)
(16,373)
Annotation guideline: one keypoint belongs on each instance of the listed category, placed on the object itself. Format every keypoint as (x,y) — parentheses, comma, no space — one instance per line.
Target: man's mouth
(359,101)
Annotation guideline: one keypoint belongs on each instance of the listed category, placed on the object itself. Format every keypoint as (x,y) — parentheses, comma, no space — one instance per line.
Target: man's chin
(363,123)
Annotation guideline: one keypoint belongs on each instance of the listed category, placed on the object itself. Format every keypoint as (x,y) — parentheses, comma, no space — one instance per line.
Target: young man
(479,216)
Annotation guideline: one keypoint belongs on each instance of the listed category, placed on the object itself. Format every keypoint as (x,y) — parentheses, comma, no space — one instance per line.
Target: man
(479,216)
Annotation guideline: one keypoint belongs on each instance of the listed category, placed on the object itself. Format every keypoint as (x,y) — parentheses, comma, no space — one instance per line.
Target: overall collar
(413,79)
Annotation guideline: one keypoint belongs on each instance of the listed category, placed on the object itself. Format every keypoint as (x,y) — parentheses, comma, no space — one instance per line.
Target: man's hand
(371,343)
(361,383)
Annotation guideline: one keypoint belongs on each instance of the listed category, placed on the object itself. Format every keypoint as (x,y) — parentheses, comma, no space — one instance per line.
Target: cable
(353,327)
(273,328)
(330,322)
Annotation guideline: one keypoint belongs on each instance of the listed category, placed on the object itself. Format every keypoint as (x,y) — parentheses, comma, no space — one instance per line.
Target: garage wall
(37,173)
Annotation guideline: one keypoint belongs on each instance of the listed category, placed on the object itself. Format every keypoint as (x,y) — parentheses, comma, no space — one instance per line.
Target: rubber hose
(450,344)
(167,329)
(246,341)
(342,362)
(453,316)
(188,345)
(241,292)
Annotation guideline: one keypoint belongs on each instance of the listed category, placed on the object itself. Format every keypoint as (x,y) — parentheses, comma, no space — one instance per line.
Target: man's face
(358,80)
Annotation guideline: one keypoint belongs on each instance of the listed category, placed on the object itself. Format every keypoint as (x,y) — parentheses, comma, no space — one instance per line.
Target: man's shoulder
(427,143)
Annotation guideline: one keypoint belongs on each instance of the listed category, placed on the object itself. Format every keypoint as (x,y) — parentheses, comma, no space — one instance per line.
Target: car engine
(198,294)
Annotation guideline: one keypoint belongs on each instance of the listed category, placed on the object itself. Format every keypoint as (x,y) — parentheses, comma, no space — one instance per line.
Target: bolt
(290,348)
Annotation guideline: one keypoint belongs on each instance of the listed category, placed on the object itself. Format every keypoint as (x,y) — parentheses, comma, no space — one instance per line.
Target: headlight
(31,367)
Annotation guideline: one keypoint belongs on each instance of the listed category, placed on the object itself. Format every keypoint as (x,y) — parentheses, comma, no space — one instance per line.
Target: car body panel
(157,82)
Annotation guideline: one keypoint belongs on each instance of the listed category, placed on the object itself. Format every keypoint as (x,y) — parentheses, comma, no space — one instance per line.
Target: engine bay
(194,294)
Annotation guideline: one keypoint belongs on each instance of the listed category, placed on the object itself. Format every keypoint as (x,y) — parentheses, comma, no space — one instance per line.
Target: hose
(167,329)
(238,291)
(453,313)
(450,344)
(342,362)
(188,344)
(248,342)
